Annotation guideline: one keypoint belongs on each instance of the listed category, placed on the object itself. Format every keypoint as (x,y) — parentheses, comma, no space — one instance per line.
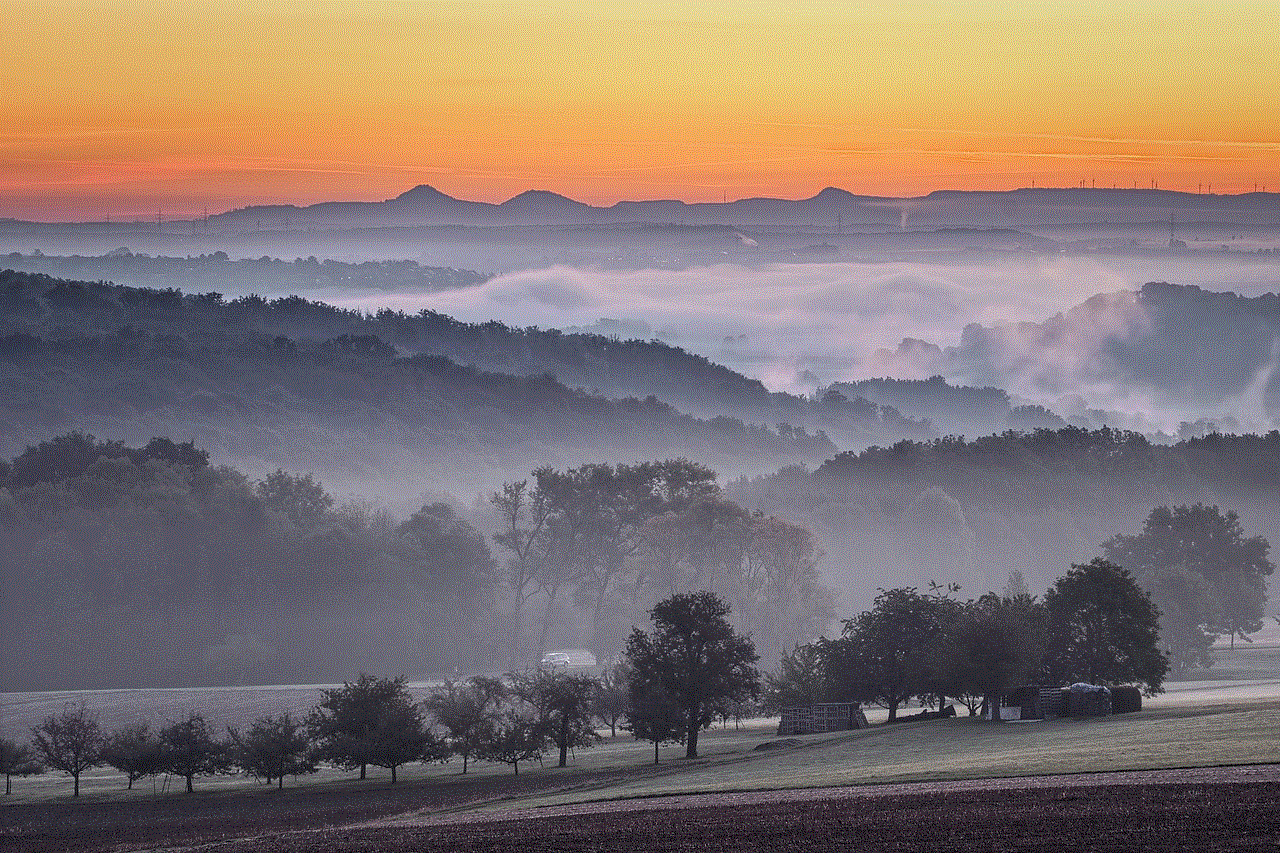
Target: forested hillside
(124,566)
(52,310)
(147,566)
(267,384)
(974,511)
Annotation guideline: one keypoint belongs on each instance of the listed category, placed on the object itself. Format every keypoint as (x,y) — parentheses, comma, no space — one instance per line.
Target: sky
(126,108)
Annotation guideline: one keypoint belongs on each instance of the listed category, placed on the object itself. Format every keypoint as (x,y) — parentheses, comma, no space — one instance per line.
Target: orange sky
(126,107)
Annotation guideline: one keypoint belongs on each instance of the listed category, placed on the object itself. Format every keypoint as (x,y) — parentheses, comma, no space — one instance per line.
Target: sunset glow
(128,107)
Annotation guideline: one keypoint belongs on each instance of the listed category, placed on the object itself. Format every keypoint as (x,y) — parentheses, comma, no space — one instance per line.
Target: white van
(568,659)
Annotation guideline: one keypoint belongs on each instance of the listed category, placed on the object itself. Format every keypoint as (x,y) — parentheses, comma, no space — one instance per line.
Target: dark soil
(1234,810)
(1201,817)
(174,820)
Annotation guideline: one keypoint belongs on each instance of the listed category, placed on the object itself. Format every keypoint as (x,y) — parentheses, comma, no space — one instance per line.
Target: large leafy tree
(70,742)
(350,721)
(1206,576)
(655,715)
(596,514)
(452,574)
(997,642)
(891,653)
(1103,629)
(694,655)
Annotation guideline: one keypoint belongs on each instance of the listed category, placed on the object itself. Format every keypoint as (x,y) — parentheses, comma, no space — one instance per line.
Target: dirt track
(1204,809)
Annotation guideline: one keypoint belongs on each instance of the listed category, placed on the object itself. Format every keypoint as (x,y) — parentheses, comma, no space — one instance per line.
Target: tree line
(974,509)
(672,683)
(1094,625)
(614,539)
(104,546)
(1195,576)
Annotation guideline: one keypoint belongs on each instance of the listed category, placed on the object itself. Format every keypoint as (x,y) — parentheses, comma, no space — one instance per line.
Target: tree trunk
(546,620)
(596,610)
(893,711)
(464,764)
(517,625)
(190,789)
(516,765)
(8,784)
(393,774)
(128,776)
(564,740)
(993,702)
(75,778)
(363,768)
(655,752)
(279,782)
(691,739)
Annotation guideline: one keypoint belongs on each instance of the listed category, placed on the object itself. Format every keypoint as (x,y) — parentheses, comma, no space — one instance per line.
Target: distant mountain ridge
(832,207)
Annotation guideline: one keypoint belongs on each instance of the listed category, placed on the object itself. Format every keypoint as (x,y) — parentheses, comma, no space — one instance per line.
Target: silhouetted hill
(215,271)
(50,308)
(424,205)
(389,399)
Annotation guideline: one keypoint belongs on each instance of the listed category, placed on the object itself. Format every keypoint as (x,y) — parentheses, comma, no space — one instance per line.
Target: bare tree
(134,752)
(467,711)
(524,515)
(16,760)
(272,748)
(70,742)
(189,749)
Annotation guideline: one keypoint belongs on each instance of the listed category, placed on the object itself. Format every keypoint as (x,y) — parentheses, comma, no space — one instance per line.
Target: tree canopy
(1103,629)
(1205,575)
(694,655)
(70,742)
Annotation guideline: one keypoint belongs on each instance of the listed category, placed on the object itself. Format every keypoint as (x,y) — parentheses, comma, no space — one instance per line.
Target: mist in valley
(873,410)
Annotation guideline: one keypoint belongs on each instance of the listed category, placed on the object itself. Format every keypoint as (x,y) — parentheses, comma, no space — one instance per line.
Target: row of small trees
(672,683)
(1095,625)
(72,742)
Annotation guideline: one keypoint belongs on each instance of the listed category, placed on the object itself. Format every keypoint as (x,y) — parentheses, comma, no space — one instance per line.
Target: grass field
(1232,719)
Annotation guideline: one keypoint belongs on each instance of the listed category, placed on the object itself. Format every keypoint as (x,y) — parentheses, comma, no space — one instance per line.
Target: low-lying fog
(799,326)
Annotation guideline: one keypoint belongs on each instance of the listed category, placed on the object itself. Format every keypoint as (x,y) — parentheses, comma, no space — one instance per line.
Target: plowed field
(1205,810)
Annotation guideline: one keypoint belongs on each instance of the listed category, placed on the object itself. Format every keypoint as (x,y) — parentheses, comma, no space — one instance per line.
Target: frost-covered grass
(1179,735)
